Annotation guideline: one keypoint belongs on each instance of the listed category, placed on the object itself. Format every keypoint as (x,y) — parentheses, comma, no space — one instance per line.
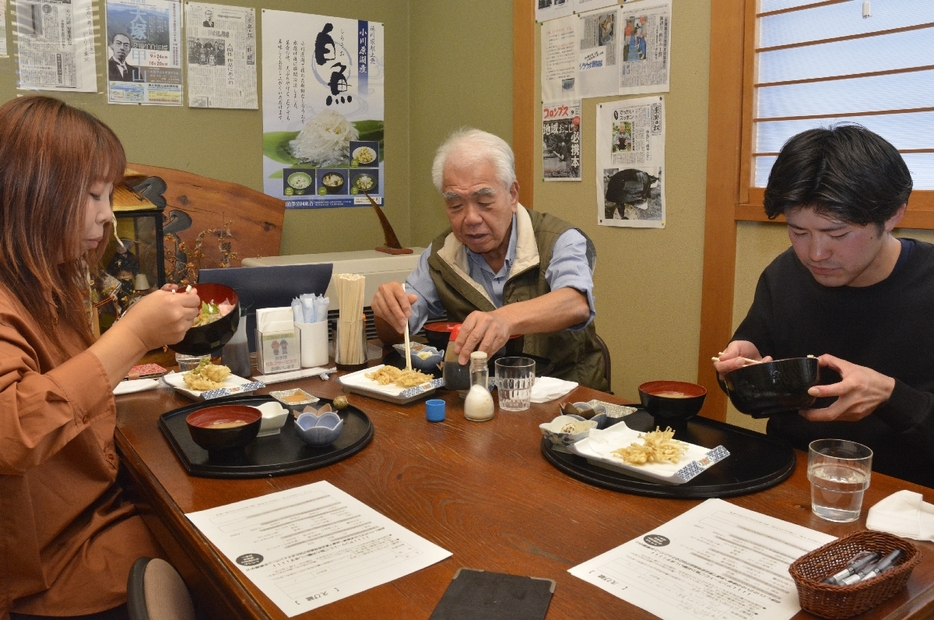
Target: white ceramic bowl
(566,430)
(274,416)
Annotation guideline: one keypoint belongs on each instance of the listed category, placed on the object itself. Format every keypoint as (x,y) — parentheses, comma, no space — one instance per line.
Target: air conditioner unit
(377,267)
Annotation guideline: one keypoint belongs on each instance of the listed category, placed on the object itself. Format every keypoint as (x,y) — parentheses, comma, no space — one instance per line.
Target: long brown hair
(50,156)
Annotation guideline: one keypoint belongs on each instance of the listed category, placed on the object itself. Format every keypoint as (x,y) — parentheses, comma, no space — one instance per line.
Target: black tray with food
(756,461)
(284,453)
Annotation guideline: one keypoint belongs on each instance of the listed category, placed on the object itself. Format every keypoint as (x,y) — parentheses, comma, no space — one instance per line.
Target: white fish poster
(631,162)
(323,111)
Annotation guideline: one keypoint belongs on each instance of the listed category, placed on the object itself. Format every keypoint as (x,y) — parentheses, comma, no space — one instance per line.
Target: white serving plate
(359,383)
(231,385)
(598,446)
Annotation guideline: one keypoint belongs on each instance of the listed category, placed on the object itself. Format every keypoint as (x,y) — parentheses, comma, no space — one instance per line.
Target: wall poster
(323,110)
(630,163)
(144,52)
(561,141)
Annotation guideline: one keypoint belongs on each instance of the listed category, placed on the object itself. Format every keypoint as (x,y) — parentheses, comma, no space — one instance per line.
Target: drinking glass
(839,471)
(514,379)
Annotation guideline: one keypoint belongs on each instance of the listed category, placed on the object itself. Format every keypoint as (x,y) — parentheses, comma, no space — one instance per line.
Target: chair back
(155,591)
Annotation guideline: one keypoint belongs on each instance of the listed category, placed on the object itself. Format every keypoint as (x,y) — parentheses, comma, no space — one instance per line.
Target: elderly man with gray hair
(500,270)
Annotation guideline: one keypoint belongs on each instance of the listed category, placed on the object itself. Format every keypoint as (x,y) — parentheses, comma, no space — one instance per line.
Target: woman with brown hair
(68,536)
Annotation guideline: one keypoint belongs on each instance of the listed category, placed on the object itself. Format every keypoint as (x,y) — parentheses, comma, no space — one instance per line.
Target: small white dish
(566,430)
(274,416)
(294,400)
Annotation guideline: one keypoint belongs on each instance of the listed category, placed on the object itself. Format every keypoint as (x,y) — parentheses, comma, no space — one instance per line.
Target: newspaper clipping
(55,45)
(597,60)
(144,62)
(630,163)
(221,56)
(561,141)
(645,42)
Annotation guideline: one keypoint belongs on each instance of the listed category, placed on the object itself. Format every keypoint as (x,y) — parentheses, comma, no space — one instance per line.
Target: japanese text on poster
(144,62)
(322,110)
(561,141)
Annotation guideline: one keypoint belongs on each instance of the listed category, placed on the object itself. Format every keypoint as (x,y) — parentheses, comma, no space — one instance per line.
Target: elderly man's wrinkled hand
(481,331)
(393,305)
(860,391)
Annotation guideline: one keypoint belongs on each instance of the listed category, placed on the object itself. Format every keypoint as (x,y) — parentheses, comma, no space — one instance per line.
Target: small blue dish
(319,431)
(586,411)
(424,357)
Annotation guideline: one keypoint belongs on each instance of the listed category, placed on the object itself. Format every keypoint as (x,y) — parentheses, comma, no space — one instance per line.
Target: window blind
(820,63)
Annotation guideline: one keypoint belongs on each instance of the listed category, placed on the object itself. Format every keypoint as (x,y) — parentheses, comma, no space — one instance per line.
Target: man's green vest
(576,356)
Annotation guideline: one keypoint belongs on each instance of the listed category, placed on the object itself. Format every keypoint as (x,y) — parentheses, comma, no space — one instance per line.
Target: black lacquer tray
(275,455)
(756,462)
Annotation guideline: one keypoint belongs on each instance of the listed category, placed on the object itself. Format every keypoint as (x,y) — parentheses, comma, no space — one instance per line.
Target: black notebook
(482,595)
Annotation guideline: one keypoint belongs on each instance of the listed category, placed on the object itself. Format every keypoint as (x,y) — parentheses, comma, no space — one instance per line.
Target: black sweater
(888,327)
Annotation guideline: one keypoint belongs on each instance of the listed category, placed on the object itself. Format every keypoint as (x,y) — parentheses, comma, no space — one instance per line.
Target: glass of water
(839,472)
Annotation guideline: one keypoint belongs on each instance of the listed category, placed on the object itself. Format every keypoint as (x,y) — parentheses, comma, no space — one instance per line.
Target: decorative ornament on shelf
(391,244)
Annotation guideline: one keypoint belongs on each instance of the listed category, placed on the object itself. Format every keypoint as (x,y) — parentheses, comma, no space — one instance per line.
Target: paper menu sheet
(715,561)
(313,545)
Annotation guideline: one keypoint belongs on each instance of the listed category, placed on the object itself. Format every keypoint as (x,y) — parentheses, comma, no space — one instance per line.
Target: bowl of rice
(216,323)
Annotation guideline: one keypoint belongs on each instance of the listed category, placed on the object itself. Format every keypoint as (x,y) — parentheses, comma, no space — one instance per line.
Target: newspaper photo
(645,44)
(221,56)
(323,85)
(55,45)
(144,55)
(630,163)
(561,141)
(597,60)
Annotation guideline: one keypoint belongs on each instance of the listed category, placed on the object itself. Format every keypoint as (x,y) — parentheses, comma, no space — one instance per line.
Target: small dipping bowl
(319,431)
(294,400)
(274,417)
(224,428)
(597,413)
(424,357)
(672,401)
(566,430)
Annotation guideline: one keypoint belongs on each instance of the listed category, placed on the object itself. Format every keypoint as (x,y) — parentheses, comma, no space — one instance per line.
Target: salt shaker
(478,406)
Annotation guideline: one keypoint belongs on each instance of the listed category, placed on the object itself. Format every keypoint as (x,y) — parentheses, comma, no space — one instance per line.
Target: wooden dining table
(481,490)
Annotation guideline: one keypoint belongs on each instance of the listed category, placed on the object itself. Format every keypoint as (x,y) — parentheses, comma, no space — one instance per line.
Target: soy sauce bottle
(456,376)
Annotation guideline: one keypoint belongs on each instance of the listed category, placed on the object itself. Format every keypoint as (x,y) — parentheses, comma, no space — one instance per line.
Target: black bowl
(223,428)
(762,390)
(204,339)
(673,401)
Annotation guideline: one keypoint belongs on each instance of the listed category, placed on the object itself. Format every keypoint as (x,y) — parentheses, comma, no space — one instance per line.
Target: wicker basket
(839,602)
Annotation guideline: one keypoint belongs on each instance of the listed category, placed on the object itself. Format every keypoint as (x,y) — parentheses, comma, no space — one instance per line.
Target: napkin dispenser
(277,345)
